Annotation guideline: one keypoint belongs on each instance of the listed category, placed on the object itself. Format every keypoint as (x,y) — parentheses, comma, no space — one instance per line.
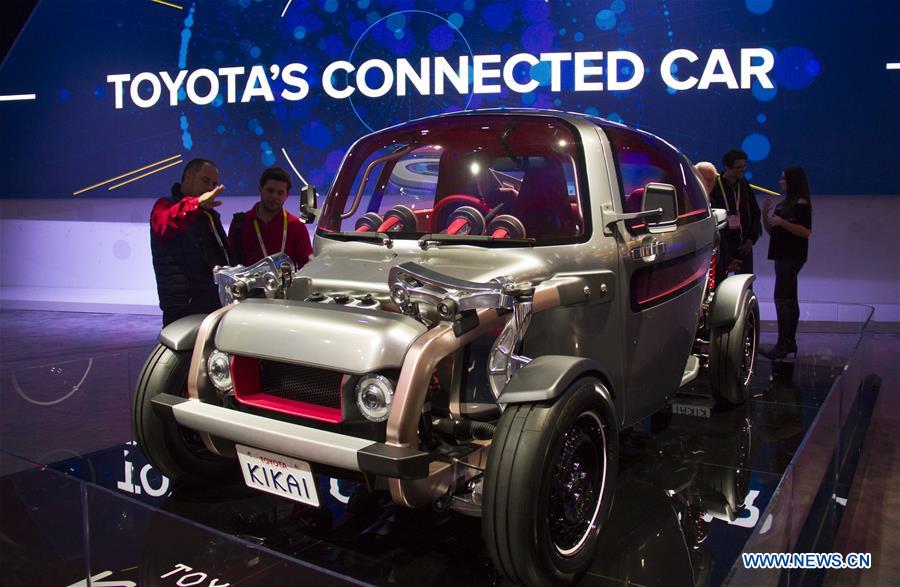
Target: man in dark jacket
(187,240)
(733,193)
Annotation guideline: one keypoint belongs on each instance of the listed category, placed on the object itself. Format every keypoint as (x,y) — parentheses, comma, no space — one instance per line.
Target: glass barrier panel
(61,408)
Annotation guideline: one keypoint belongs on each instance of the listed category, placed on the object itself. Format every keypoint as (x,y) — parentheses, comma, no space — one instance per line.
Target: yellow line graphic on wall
(126,174)
(168,4)
(151,172)
(764,190)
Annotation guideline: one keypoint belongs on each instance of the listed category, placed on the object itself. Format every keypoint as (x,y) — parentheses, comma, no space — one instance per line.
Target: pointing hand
(208,200)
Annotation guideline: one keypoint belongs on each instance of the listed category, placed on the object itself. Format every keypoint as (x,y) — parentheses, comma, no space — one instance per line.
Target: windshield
(507,177)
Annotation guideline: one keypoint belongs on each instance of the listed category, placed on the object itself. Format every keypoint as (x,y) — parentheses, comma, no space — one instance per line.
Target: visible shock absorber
(426,426)
(703,335)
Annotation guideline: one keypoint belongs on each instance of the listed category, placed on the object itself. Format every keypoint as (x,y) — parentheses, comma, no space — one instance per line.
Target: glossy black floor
(78,500)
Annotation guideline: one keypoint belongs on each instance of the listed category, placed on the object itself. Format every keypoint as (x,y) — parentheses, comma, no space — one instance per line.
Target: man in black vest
(733,193)
(187,240)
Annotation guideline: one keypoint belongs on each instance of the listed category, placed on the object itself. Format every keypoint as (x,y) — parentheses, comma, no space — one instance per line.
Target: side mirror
(309,199)
(663,197)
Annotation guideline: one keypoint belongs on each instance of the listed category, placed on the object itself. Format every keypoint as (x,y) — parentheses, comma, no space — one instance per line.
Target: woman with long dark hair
(790,226)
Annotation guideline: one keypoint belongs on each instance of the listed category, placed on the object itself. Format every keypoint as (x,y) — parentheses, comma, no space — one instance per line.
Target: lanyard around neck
(259,237)
(212,226)
(735,190)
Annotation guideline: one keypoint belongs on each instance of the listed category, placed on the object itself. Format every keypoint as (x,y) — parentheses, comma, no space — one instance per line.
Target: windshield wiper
(465,239)
(382,237)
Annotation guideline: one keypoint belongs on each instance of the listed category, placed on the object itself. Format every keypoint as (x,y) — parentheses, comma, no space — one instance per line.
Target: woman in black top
(790,226)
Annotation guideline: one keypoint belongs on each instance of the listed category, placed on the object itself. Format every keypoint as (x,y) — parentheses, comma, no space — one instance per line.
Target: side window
(541,191)
(640,159)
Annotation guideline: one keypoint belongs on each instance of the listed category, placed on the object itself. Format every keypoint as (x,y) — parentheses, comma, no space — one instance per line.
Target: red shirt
(168,220)
(248,251)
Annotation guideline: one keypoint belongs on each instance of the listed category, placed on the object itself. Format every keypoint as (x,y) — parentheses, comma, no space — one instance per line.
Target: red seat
(543,202)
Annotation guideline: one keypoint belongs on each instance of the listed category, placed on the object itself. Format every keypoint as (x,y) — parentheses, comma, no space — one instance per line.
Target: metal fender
(727,302)
(546,378)
(181,334)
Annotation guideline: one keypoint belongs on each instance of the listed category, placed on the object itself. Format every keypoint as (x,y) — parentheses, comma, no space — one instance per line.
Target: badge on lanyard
(259,237)
(212,226)
(734,216)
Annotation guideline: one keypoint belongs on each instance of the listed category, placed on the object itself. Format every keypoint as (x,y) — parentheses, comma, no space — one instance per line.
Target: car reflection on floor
(693,485)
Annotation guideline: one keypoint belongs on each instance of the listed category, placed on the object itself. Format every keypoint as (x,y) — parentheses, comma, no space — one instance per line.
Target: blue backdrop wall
(118,85)
(92,133)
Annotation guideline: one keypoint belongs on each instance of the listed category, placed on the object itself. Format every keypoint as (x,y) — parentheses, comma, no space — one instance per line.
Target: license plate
(277,474)
(695,410)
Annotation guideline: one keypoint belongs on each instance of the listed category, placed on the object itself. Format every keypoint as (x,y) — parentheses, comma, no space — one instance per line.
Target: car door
(663,273)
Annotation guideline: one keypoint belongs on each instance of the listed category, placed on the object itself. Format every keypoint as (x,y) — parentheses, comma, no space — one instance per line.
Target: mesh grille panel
(302,384)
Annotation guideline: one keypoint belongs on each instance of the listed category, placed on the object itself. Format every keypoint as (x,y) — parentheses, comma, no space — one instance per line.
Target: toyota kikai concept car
(494,296)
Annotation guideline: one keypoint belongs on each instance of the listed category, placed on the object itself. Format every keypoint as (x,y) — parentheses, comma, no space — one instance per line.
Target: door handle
(648,252)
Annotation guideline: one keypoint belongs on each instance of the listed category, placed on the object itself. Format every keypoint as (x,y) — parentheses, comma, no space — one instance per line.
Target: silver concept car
(494,296)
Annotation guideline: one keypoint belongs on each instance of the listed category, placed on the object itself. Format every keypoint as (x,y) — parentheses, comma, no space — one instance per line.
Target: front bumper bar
(294,440)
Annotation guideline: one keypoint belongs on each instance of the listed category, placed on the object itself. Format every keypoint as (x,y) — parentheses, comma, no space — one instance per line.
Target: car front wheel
(549,484)
(178,453)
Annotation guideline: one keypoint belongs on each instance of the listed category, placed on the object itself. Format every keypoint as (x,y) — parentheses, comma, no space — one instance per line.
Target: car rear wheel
(549,484)
(732,355)
(177,452)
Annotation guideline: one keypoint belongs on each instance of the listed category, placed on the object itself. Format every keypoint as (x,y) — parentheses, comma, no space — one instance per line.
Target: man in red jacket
(267,228)
(187,240)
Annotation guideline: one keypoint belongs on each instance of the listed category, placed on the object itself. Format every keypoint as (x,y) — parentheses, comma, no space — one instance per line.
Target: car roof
(570,117)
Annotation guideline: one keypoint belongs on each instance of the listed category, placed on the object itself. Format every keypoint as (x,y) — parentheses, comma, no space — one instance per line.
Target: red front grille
(287,388)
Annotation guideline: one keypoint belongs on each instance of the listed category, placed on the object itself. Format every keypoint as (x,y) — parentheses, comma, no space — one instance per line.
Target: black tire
(176,452)
(661,420)
(732,355)
(536,535)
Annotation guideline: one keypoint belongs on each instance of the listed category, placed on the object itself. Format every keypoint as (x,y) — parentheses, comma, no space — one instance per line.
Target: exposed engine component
(456,299)
(410,283)
(367,301)
(464,429)
(503,360)
(272,276)
(469,502)
(319,297)
(341,299)
(345,299)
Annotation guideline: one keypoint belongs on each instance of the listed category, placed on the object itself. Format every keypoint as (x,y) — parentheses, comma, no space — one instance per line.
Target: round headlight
(218,367)
(374,395)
